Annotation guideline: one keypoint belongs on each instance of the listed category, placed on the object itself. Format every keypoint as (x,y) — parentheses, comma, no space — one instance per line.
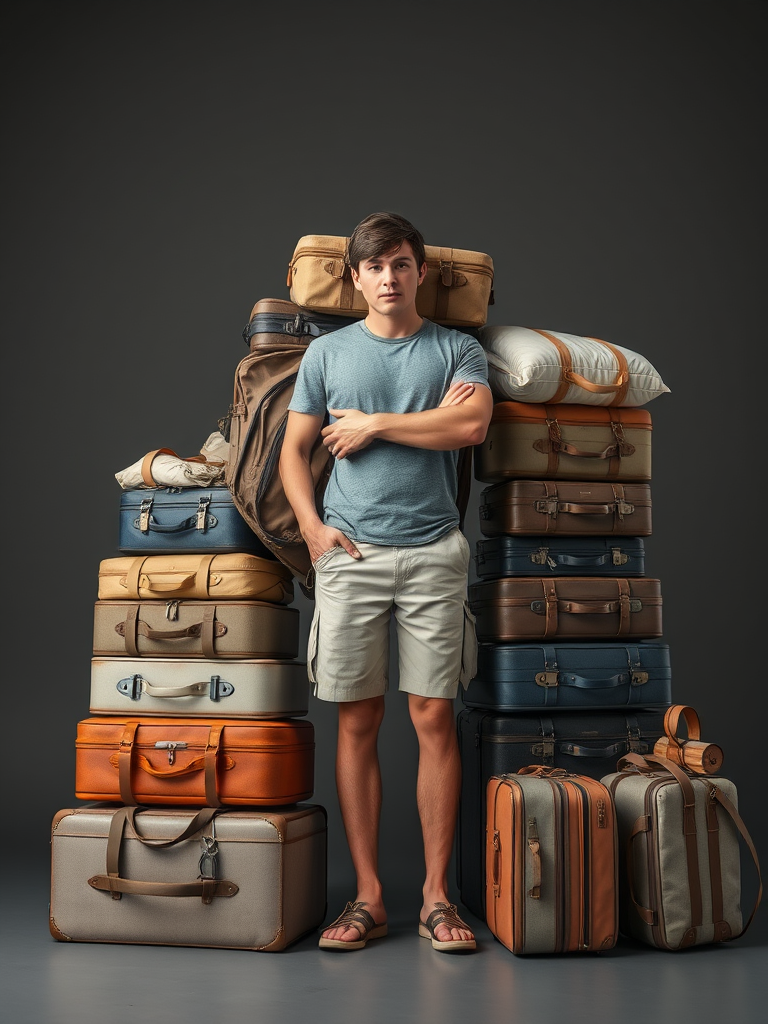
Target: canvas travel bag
(519,676)
(185,761)
(559,556)
(565,442)
(457,290)
(566,607)
(680,873)
(199,520)
(551,862)
(249,688)
(569,508)
(240,576)
(228,879)
(195,629)
(584,742)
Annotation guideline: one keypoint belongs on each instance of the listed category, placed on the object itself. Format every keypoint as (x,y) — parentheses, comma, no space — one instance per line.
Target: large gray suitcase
(249,688)
(236,878)
(194,629)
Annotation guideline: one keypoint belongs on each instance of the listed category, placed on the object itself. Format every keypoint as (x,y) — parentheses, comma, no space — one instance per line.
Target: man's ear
(356,278)
(422,272)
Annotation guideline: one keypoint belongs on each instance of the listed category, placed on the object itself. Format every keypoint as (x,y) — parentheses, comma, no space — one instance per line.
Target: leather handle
(597,389)
(161,583)
(206,888)
(611,451)
(672,718)
(207,629)
(182,526)
(576,508)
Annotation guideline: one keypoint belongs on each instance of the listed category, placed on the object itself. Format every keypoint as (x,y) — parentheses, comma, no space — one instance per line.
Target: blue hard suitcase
(515,677)
(195,520)
(497,743)
(561,556)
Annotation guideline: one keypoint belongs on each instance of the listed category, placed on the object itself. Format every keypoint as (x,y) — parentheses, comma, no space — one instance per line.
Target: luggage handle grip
(205,887)
(612,451)
(169,584)
(184,633)
(575,750)
(597,389)
(197,764)
(215,687)
(209,762)
(551,507)
(539,607)
(183,526)
(552,679)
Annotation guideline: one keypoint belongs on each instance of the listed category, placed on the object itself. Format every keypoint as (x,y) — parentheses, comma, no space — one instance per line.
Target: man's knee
(431,714)
(359,719)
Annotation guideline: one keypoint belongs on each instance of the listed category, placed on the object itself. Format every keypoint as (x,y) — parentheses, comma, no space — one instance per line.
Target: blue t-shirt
(389,493)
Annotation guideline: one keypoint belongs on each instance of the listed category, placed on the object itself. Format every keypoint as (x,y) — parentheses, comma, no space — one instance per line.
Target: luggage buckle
(547,506)
(171,746)
(547,679)
(619,557)
(540,557)
(638,678)
(446,273)
(545,751)
(144,510)
(298,326)
(218,688)
(624,508)
(131,686)
(208,863)
(202,509)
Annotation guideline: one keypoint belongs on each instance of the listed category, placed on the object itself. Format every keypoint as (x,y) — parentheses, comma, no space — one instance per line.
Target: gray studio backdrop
(162,160)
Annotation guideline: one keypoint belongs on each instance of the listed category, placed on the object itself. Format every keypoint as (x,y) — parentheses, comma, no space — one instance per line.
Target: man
(403,394)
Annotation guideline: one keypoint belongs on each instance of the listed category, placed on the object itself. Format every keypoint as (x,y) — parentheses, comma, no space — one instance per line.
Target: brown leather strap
(211,757)
(723,800)
(566,365)
(722,931)
(130,634)
(133,576)
(444,284)
(206,888)
(202,577)
(568,375)
(125,762)
(672,719)
(551,606)
(208,632)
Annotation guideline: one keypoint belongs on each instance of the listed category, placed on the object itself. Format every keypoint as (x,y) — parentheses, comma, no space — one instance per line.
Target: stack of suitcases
(572,673)
(198,756)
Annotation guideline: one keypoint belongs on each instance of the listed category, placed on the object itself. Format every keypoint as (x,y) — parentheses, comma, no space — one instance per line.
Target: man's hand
(322,538)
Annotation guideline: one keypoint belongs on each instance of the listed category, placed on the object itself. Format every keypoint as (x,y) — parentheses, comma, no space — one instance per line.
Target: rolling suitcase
(680,872)
(551,862)
(184,761)
(559,556)
(241,576)
(495,743)
(230,879)
(196,520)
(571,508)
(565,442)
(199,687)
(194,629)
(579,675)
(566,608)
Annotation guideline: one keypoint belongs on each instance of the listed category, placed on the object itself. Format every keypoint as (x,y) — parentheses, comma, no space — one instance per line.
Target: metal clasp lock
(131,686)
(218,688)
(619,558)
(208,863)
(202,509)
(547,679)
(623,508)
(638,678)
(540,557)
(547,506)
(172,610)
(171,746)
(144,511)
(446,273)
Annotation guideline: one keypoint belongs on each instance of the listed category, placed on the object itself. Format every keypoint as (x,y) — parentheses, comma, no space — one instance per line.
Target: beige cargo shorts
(424,587)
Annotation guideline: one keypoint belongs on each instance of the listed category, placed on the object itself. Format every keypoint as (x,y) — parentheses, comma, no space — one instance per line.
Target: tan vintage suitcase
(566,607)
(456,292)
(526,440)
(232,879)
(235,688)
(194,629)
(185,761)
(571,508)
(230,576)
(551,862)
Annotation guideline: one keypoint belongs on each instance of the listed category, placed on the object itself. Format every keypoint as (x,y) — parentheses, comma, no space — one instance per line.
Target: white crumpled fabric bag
(164,468)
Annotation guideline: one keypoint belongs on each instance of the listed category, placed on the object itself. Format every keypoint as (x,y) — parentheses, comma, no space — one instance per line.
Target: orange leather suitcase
(192,761)
(551,862)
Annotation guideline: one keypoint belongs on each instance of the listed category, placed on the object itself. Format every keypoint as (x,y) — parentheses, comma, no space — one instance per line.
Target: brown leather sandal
(353,916)
(445,913)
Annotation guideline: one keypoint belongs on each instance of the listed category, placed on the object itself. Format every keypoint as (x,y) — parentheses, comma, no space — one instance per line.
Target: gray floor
(399,977)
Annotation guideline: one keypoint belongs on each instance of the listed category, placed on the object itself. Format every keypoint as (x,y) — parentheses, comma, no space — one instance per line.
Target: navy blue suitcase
(195,520)
(497,743)
(577,675)
(527,555)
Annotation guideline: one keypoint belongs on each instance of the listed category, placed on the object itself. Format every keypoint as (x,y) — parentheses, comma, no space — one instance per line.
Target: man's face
(389,283)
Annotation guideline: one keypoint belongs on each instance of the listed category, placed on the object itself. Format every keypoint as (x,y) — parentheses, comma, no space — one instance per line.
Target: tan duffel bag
(224,576)
(456,292)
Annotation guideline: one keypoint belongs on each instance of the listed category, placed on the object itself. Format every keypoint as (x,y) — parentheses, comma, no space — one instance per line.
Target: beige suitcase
(221,577)
(456,292)
(564,442)
(234,879)
(194,629)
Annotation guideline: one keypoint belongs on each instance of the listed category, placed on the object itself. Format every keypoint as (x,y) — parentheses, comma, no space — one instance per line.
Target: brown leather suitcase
(191,761)
(565,441)
(571,508)
(566,607)
(194,629)
(551,862)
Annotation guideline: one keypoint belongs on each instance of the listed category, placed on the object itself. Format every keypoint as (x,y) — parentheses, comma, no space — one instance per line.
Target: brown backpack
(278,334)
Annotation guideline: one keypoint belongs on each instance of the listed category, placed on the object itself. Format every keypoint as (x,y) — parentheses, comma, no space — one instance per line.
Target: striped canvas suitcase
(231,879)
(195,629)
(198,520)
(551,862)
(191,761)
(248,688)
(570,508)
(566,608)
(497,743)
(559,556)
(565,441)
(573,676)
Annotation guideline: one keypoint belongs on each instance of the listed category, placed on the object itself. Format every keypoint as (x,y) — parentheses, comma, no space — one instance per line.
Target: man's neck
(393,327)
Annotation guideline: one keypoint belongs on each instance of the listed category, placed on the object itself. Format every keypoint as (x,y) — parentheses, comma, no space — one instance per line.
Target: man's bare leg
(358,782)
(437,795)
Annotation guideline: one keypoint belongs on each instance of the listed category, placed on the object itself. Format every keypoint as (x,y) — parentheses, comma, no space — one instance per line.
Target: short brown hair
(380,234)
